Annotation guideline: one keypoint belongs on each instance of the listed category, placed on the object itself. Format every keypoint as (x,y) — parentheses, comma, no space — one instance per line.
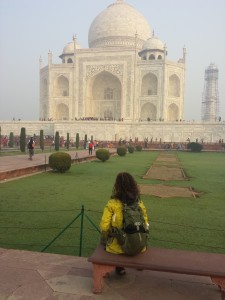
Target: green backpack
(133,236)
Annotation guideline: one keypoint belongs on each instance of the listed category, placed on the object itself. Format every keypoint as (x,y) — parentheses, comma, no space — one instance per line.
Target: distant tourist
(30,147)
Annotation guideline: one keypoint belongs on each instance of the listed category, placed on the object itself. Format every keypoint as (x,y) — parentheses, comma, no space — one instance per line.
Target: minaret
(49,57)
(40,62)
(184,54)
(210,98)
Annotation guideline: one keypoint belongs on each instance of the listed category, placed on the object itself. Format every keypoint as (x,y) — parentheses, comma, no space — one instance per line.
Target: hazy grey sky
(30,28)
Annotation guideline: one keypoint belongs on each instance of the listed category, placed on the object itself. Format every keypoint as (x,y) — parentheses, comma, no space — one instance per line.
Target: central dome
(117,25)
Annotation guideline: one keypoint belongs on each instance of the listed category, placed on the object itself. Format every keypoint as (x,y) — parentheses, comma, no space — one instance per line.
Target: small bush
(194,147)
(102,154)
(121,151)
(130,149)
(60,161)
(138,148)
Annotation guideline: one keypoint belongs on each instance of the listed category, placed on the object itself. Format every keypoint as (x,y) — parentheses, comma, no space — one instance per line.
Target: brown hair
(126,189)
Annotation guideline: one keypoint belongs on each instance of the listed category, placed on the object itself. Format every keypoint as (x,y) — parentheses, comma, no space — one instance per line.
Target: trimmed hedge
(194,147)
(131,149)
(60,161)
(121,151)
(57,141)
(11,140)
(42,139)
(22,139)
(102,154)
(138,148)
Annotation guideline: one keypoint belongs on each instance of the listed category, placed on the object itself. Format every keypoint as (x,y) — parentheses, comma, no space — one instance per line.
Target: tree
(22,139)
(85,141)
(11,140)
(57,141)
(77,140)
(42,139)
(68,141)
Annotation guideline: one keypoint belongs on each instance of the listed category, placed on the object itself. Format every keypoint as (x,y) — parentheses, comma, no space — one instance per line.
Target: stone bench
(163,260)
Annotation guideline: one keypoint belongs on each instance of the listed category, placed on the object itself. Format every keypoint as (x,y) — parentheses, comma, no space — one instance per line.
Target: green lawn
(35,209)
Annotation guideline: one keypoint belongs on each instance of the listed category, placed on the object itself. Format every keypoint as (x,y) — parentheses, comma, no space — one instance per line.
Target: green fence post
(81,229)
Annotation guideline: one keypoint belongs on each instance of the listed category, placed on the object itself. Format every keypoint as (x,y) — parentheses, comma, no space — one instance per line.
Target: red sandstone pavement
(26,275)
(38,276)
(19,165)
(8,163)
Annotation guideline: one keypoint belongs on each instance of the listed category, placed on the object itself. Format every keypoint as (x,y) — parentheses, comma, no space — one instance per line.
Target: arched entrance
(62,112)
(173,112)
(148,112)
(104,97)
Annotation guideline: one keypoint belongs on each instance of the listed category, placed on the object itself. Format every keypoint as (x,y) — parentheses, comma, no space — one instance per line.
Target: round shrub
(138,148)
(102,154)
(60,161)
(130,149)
(194,147)
(121,151)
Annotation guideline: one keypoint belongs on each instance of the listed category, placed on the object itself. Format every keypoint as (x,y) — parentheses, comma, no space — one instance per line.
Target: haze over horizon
(30,28)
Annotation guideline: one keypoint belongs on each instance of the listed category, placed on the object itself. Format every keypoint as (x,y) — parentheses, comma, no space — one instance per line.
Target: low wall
(114,131)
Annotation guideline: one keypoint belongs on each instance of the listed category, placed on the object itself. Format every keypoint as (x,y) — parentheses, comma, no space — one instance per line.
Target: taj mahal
(122,86)
(123,75)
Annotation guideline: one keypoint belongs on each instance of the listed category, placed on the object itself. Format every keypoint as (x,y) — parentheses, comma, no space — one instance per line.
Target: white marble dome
(117,25)
(69,48)
(153,43)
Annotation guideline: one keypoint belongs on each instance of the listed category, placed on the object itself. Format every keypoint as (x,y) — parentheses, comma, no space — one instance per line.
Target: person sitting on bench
(117,237)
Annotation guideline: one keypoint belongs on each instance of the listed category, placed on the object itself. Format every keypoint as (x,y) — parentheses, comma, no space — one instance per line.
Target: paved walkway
(18,165)
(26,275)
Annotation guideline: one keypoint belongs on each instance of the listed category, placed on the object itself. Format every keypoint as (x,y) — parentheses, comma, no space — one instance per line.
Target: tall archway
(148,112)
(104,97)
(173,112)
(62,112)
(149,85)
(62,86)
(174,86)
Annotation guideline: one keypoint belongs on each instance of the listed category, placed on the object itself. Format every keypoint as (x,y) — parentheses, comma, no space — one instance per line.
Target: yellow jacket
(113,217)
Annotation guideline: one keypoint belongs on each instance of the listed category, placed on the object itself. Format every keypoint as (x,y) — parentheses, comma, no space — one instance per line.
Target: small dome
(69,48)
(153,43)
(117,25)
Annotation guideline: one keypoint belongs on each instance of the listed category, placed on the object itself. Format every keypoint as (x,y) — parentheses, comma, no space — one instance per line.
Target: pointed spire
(75,42)
(184,53)
(40,62)
(49,57)
(165,51)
